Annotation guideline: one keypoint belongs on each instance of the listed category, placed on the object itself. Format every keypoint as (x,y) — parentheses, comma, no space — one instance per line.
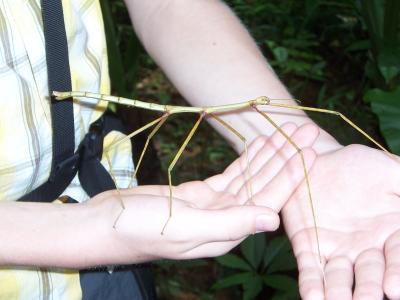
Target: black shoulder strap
(93,176)
(64,162)
(59,79)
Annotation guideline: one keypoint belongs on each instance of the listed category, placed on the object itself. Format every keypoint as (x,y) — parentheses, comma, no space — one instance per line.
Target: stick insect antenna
(332,112)
(286,99)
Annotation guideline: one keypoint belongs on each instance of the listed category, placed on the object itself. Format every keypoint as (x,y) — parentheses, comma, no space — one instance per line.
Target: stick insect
(212,111)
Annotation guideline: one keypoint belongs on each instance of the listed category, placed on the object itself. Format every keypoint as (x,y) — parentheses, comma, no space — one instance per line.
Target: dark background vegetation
(340,54)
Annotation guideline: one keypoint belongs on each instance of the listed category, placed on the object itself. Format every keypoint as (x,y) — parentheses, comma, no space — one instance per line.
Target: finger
(217,232)
(391,281)
(269,145)
(338,279)
(269,149)
(369,269)
(303,137)
(220,181)
(267,152)
(311,280)
(275,193)
(239,167)
(231,224)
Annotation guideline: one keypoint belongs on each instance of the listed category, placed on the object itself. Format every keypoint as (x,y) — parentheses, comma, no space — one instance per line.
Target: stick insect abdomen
(129,102)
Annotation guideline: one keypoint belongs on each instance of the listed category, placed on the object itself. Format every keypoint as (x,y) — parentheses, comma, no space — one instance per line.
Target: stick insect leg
(305,175)
(152,133)
(243,139)
(119,196)
(105,152)
(136,132)
(172,164)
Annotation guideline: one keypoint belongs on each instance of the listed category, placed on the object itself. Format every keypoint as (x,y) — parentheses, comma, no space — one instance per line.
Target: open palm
(356,195)
(211,217)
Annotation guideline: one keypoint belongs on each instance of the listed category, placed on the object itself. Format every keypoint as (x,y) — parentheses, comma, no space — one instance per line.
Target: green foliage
(387,106)
(383,69)
(340,48)
(282,35)
(261,268)
(123,47)
(300,37)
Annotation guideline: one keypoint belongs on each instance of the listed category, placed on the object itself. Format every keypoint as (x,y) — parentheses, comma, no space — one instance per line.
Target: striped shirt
(25,122)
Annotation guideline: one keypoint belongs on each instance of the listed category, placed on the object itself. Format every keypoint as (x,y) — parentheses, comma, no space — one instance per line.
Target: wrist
(119,239)
(326,143)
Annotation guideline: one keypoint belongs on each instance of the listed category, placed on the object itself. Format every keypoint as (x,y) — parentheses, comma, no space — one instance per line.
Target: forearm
(214,62)
(60,235)
(43,234)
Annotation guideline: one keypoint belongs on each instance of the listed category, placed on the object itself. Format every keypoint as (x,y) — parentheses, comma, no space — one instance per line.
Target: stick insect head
(61,95)
(262,100)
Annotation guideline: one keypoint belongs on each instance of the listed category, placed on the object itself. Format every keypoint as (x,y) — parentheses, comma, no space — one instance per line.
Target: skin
(216,62)
(209,217)
(364,241)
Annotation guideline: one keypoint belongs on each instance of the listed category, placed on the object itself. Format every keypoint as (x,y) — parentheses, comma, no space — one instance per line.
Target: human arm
(208,219)
(212,60)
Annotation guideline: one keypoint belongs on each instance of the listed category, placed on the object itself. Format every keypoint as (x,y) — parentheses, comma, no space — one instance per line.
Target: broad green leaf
(389,63)
(252,287)
(387,107)
(281,54)
(389,72)
(284,261)
(233,261)
(359,45)
(280,243)
(114,55)
(281,282)
(373,12)
(391,23)
(253,249)
(235,279)
(372,72)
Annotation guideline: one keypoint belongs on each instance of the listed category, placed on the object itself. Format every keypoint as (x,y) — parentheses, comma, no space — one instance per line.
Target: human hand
(208,217)
(356,198)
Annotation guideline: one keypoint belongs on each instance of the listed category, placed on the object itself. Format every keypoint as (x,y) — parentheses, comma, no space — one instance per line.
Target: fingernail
(266,223)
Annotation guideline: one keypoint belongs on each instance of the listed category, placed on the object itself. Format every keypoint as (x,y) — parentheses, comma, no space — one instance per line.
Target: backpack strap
(93,176)
(64,162)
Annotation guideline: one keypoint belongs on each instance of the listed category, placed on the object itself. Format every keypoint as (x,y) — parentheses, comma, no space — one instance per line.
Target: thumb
(235,223)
